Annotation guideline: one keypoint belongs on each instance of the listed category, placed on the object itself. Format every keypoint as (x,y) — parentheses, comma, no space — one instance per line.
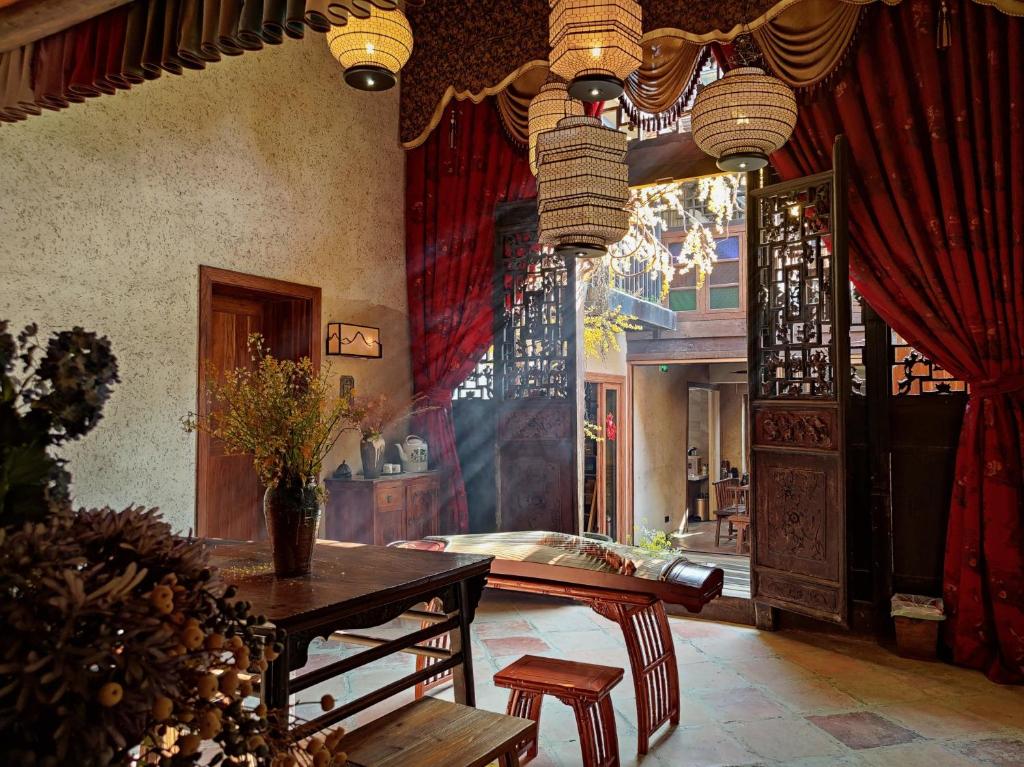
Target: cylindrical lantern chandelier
(546,109)
(372,50)
(582,187)
(743,117)
(595,45)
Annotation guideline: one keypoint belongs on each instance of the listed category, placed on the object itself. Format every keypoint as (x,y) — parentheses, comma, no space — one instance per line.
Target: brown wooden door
(230,482)
(535,378)
(798,315)
(229,498)
(421,508)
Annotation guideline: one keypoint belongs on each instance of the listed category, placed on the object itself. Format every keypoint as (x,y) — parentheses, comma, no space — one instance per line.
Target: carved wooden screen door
(798,315)
(535,378)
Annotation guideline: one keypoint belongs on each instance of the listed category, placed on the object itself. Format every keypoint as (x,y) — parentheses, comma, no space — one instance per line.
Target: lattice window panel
(914,375)
(795,354)
(479,384)
(537,301)
(858,342)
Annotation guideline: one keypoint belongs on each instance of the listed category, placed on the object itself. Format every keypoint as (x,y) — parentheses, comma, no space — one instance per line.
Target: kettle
(413,454)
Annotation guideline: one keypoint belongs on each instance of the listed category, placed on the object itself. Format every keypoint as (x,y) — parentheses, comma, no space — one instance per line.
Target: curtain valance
(474,54)
(141,40)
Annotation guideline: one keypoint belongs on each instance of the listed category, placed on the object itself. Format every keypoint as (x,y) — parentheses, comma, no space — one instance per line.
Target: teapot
(413,454)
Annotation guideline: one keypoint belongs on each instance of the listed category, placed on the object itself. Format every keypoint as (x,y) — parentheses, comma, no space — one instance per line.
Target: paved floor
(748,697)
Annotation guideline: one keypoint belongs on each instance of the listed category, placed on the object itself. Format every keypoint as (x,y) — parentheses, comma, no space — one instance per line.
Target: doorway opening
(607,511)
(232,306)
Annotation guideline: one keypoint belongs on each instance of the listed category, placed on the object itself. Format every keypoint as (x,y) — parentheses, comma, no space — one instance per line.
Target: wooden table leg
(652,658)
(274,684)
(462,676)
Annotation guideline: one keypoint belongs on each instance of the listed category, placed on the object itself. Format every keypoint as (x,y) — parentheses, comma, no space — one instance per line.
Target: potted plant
(372,416)
(279,412)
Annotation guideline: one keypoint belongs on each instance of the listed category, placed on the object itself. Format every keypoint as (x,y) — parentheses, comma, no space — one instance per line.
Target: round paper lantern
(372,50)
(595,44)
(743,117)
(546,109)
(582,187)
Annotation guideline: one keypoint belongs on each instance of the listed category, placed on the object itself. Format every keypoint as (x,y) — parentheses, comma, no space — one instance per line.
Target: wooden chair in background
(728,508)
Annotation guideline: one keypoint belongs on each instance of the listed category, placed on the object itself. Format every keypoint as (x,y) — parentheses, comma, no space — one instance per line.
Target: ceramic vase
(371,450)
(292,511)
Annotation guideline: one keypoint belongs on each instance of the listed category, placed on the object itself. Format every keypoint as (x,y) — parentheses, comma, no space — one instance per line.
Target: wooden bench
(584,687)
(435,733)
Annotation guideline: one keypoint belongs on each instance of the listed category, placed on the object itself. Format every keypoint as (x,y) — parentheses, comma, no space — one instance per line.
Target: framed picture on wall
(345,340)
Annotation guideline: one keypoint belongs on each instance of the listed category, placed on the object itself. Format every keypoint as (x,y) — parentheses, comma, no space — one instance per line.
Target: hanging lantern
(595,44)
(372,50)
(742,118)
(546,109)
(582,187)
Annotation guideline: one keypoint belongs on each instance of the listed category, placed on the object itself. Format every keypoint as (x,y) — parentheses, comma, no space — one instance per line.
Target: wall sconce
(344,340)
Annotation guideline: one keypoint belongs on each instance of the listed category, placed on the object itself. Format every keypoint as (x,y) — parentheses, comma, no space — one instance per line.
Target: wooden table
(740,495)
(357,587)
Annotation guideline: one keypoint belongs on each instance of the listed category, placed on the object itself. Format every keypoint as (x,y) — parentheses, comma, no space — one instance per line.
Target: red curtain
(453,183)
(937,248)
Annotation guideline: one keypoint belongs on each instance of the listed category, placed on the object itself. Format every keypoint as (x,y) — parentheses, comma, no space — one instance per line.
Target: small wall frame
(345,340)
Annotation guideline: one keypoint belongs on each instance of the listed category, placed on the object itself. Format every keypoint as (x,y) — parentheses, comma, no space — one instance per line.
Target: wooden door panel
(421,509)
(798,315)
(232,491)
(535,377)
(388,526)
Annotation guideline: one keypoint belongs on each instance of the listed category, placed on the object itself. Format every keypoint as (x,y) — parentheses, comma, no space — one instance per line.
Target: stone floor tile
(784,739)
(771,670)
(707,746)
(934,719)
(741,704)
(515,645)
(500,628)
(687,653)
(863,729)
(997,752)
(814,696)
(916,754)
(574,641)
(998,705)
(709,675)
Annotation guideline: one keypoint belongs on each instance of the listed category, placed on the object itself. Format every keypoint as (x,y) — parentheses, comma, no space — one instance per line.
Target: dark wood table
(358,587)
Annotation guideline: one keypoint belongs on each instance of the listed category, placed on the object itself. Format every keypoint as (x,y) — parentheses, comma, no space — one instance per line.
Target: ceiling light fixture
(372,50)
(743,117)
(595,44)
(582,187)
(549,106)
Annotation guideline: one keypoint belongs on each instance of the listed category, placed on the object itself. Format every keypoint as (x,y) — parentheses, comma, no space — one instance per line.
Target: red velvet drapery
(937,248)
(453,183)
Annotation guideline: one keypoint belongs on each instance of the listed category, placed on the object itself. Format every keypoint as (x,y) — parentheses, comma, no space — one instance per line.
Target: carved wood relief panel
(814,429)
(795,495)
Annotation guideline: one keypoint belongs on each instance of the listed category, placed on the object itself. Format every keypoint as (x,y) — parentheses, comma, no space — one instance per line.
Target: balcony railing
(639,293)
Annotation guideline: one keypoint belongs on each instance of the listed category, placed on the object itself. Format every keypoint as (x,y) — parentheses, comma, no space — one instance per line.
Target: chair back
(723,497)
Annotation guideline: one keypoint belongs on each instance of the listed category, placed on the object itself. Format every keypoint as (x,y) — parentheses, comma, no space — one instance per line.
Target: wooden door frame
(211,277)
(624,452)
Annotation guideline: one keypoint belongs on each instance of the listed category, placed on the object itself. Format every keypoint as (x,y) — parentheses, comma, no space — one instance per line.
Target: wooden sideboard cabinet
(379,511)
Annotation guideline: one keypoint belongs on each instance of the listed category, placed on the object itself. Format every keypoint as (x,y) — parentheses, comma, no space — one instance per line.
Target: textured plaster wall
(265,164)
(731,399)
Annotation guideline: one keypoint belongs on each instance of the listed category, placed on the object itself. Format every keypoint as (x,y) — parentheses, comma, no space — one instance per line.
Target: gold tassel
(944,34)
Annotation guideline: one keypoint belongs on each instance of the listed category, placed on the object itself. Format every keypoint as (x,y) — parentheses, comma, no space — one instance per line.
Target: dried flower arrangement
(120,645)
(278,411)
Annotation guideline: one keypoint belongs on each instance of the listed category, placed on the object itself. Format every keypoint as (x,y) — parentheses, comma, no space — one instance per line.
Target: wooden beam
(25,21)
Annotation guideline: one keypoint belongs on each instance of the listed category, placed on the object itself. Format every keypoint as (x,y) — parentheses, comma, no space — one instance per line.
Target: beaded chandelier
(372,50)
(743,117)
(546,109)
(582,187)
(595,44)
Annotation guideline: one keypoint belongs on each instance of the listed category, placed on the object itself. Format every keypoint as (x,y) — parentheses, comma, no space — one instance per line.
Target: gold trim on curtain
(514,104)
(805,43)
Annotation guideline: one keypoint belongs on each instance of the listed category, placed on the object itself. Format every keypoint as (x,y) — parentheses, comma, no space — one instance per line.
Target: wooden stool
(434,733)
(583,686)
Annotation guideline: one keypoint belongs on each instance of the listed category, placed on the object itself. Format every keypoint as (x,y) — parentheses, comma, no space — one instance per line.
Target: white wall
(265,163)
